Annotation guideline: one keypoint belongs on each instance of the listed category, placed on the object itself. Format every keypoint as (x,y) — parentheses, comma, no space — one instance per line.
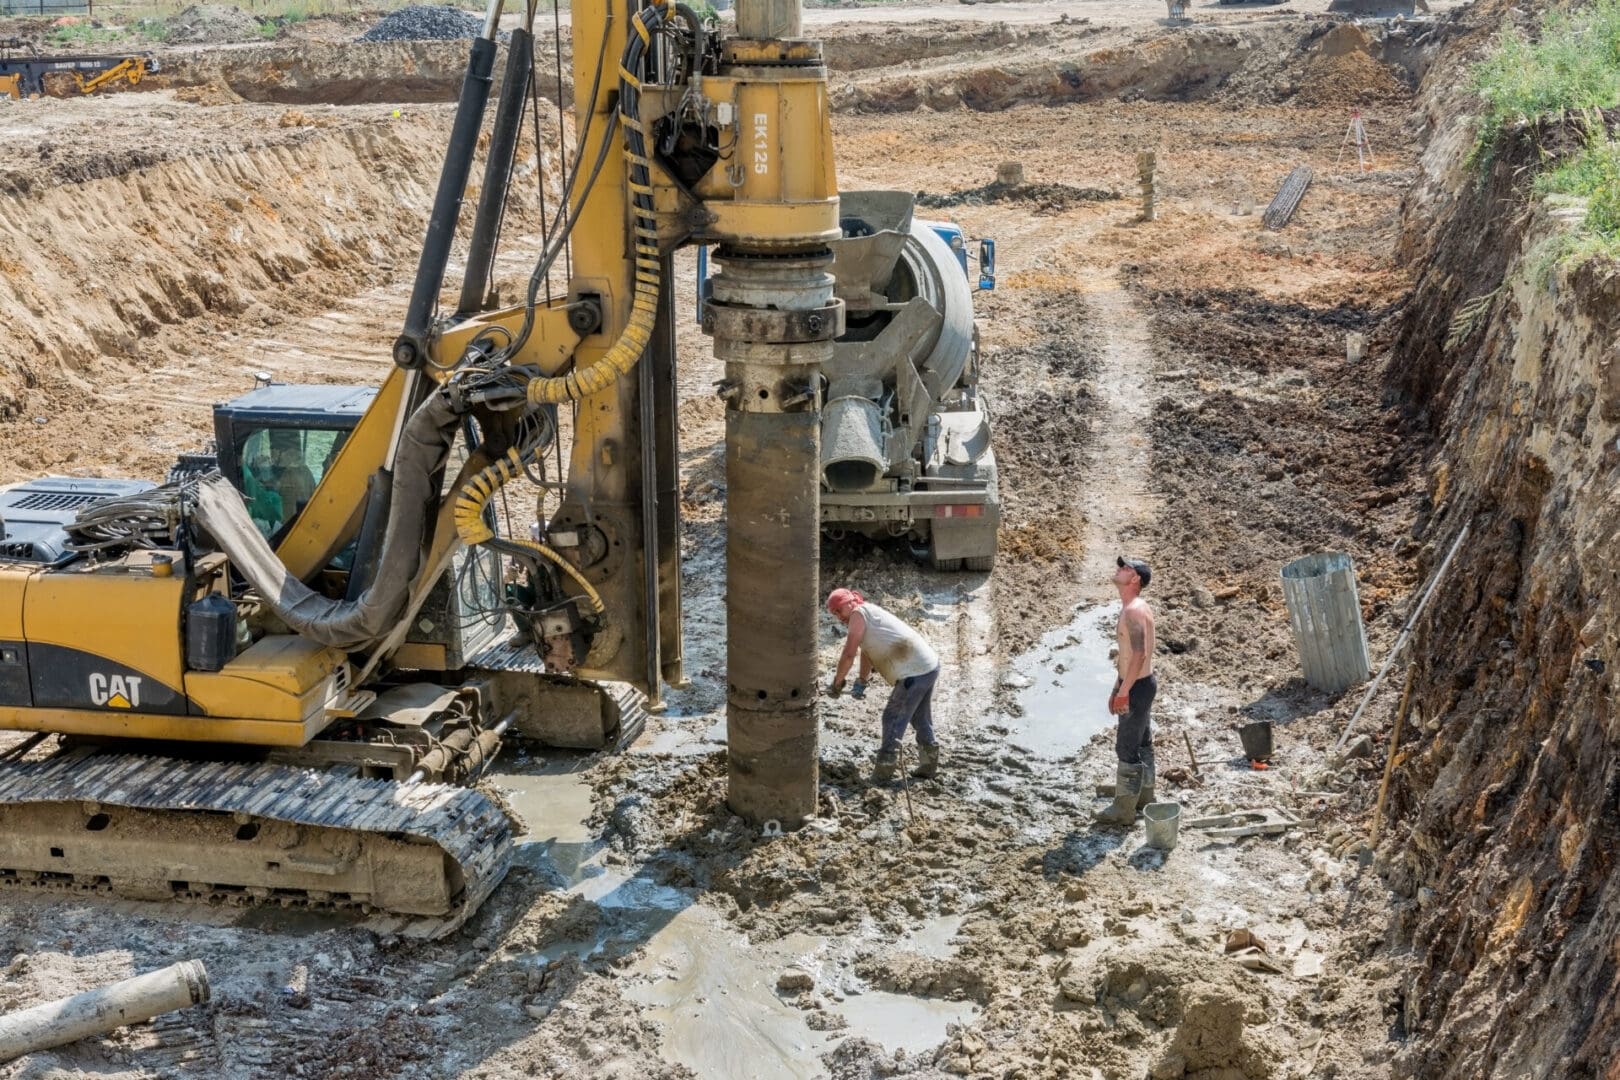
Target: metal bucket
(1163,823)
(1256,739)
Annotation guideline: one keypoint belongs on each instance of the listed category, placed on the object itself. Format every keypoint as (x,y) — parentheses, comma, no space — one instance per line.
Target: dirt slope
(1509,787)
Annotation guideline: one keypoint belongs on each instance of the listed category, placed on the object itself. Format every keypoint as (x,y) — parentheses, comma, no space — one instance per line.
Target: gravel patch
(425,22)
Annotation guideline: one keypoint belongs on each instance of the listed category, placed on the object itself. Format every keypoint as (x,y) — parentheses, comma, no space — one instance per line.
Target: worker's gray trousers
(1134,741)
(910,702)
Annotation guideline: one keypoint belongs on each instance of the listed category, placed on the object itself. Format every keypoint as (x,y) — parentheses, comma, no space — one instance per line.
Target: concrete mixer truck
(905,435)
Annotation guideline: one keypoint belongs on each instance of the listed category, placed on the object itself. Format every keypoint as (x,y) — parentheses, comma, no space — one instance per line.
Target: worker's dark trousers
(910,702)
(1136,726)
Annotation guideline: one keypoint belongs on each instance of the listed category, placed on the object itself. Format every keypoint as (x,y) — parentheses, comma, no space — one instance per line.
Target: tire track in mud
(1042,396)
(1116,496)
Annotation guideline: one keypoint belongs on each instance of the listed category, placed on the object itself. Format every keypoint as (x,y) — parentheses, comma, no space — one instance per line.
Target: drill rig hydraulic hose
(473,529)
(632,341)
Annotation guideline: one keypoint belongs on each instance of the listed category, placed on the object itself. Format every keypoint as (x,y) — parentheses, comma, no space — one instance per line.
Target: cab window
(281,468)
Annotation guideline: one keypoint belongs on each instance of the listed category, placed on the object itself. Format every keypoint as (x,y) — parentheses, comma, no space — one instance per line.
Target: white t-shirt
(895,649)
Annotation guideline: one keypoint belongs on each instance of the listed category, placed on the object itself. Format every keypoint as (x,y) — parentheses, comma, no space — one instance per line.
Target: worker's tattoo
(1138,637)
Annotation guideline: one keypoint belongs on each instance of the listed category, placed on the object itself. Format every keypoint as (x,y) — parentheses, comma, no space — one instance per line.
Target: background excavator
(25,73)
(274,678)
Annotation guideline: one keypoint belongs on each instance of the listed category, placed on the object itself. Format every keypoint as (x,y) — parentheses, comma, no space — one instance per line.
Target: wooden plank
(1324,608)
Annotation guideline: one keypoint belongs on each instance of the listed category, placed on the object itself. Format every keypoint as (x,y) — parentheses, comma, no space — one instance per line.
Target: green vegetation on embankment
(1565,79)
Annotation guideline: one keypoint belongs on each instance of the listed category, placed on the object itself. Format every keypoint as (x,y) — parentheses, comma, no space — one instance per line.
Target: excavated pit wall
(347,73)
(986,68)
(91,271)
(1506,798)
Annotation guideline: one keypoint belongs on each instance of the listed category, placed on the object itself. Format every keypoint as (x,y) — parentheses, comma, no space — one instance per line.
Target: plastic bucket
(1163,823)
(1256,740)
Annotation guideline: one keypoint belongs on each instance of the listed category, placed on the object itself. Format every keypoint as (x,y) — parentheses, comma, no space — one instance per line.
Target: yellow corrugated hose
(625,352)
(632,342)
(473,529)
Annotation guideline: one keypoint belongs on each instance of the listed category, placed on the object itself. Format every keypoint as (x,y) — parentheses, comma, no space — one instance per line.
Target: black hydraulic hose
(503,141)
(562,224)
(699,39)
(559,242)
(373,526)
(411,347)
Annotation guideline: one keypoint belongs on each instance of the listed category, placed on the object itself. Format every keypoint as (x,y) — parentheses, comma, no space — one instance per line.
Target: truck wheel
(946,565)
(980,564)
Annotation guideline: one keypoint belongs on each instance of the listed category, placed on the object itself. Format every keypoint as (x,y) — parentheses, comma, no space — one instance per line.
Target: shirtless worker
(1133,694)
(909,664)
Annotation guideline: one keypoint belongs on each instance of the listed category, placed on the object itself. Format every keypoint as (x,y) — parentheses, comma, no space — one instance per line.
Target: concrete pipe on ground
(96,1012)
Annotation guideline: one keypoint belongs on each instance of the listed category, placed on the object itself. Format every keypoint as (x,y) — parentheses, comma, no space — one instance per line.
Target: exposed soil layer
(1277,403)
(205,265)
(1507,794)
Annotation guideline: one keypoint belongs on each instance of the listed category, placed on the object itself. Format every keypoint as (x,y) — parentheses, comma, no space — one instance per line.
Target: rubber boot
(1149,776)
(886,766)
(1127,786)
(927,761)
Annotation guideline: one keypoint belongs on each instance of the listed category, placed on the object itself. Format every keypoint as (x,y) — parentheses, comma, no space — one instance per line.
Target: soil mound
(422,22)
(1210,1038)
(1042,197)
(212,24)
(1352,77)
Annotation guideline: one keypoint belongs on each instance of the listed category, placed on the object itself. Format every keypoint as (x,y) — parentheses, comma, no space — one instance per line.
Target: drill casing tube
(773,527)
(769,19)
(771,568)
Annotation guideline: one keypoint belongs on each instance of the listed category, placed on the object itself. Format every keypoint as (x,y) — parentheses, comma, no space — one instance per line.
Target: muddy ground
(1176,389)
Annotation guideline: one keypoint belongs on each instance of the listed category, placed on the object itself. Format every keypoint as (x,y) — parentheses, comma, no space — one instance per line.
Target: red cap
(840,597)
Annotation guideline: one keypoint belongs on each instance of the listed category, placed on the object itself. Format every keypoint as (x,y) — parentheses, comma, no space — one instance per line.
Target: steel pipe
(773,527)
(503,143)
(411,347)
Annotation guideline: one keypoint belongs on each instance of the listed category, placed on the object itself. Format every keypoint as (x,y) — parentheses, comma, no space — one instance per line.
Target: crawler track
(422,857)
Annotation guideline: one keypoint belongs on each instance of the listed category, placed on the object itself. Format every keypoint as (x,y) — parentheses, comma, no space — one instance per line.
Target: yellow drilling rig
(273,679)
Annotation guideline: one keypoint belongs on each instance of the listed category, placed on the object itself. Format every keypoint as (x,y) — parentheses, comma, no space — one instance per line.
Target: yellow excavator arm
(132,70)
(369,551)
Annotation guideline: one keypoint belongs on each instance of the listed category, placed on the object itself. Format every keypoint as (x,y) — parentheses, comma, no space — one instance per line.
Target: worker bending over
(909,664)
(1132,699)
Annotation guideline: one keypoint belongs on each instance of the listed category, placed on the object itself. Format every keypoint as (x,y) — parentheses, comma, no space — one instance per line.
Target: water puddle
(1063,685)
(620,890)
(715,998)
(714,995)
(678,740)
(555,804)
(901,1022)
(934,938)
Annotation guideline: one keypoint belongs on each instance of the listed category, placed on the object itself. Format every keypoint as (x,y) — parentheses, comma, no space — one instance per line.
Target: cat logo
(116,691)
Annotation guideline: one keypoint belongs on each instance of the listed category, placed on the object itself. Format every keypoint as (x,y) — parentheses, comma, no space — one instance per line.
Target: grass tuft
(1593,175)
(83,34)
(1570,70)
(1572,67)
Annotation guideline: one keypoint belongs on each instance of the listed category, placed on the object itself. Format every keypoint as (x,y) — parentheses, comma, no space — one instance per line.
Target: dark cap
(1142,569)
